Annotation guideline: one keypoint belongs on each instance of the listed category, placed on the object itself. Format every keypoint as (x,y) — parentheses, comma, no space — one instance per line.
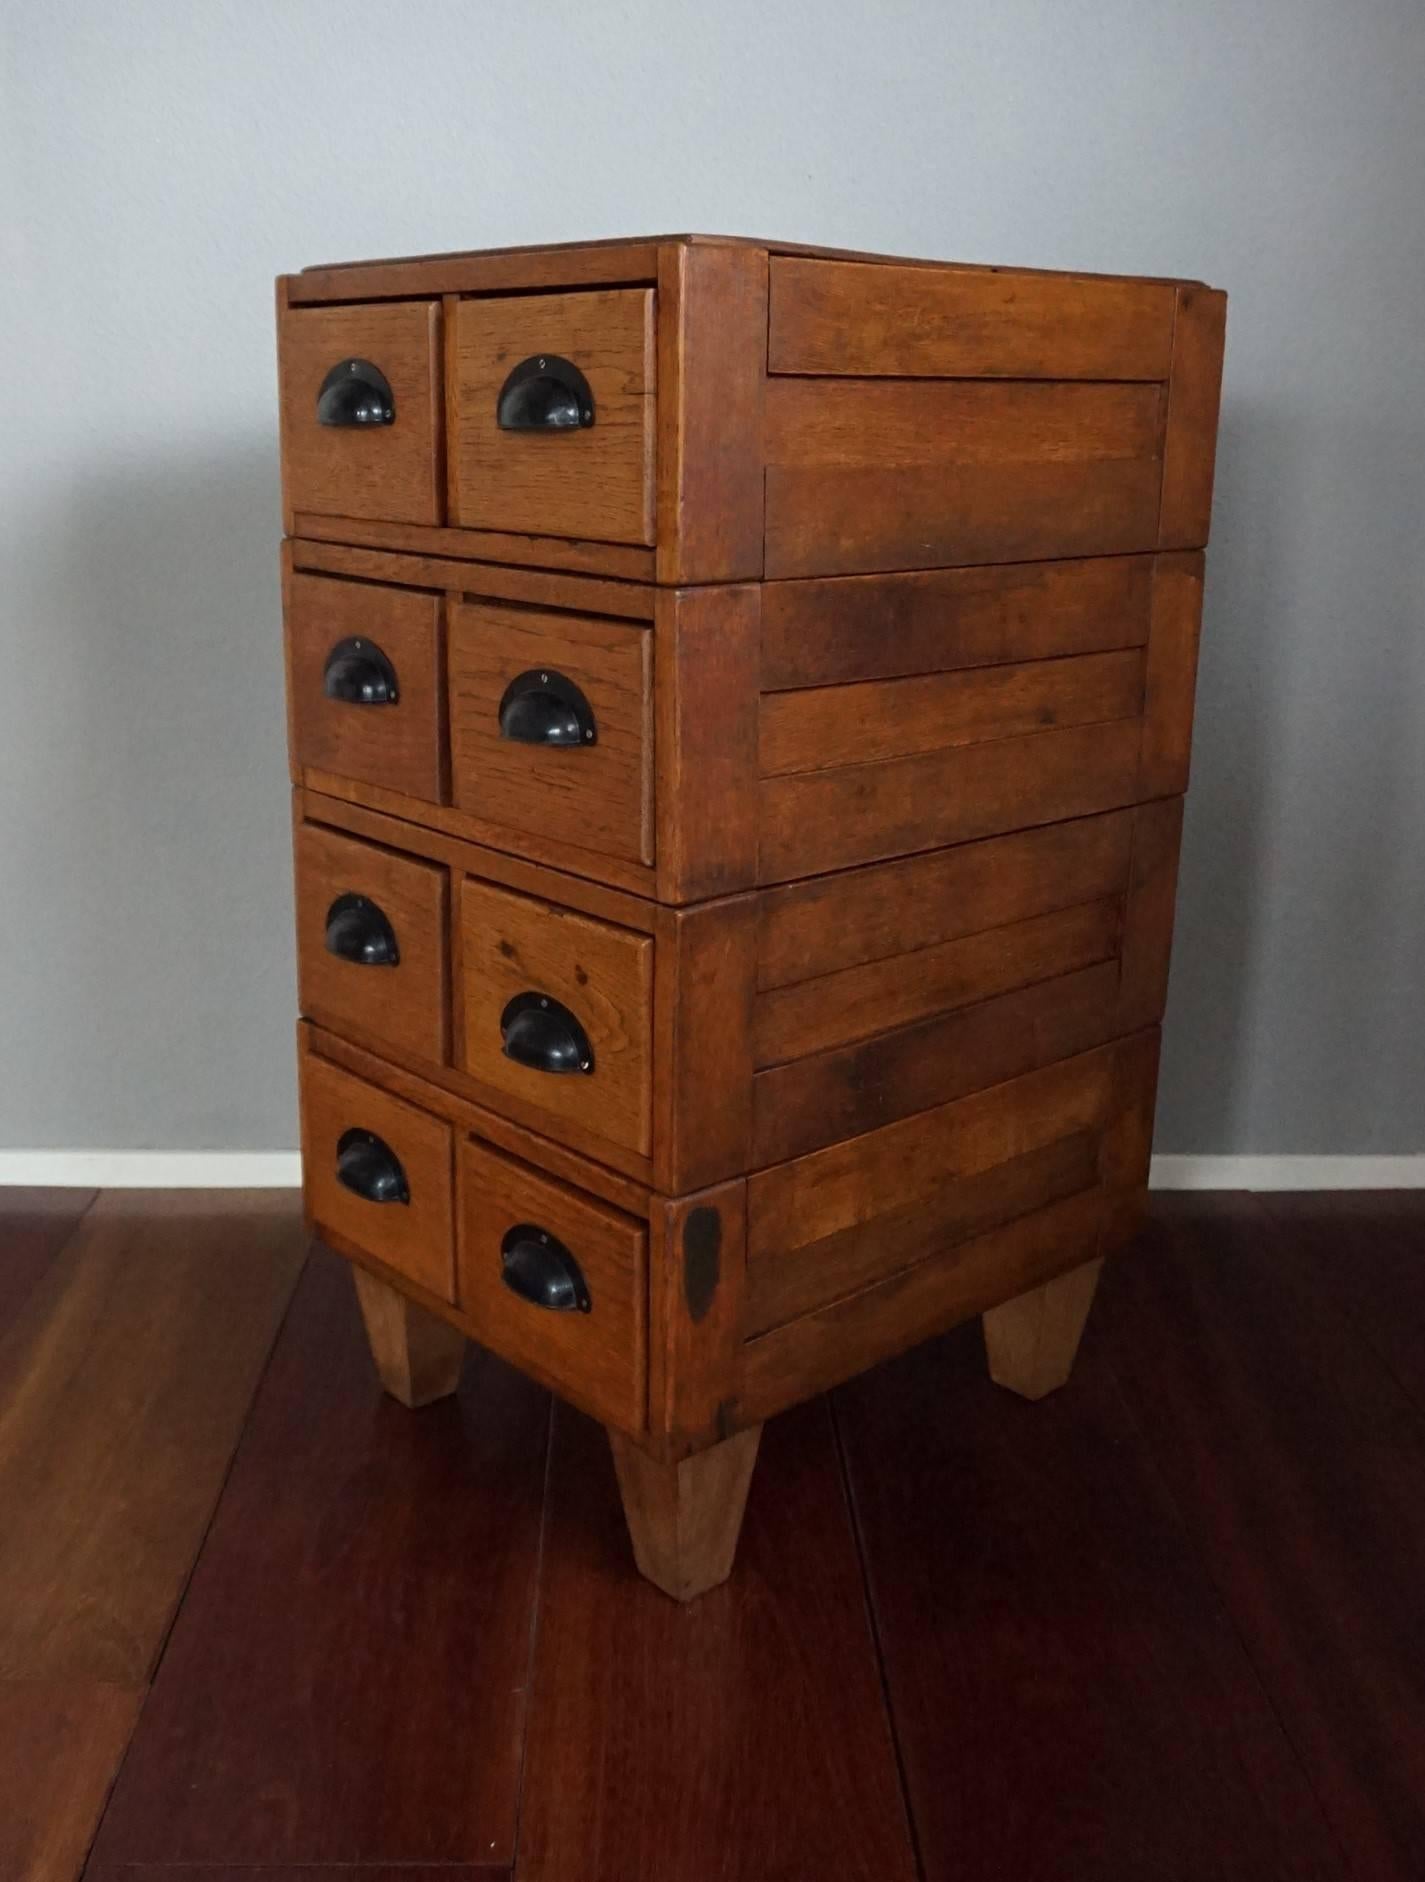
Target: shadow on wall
(161,991)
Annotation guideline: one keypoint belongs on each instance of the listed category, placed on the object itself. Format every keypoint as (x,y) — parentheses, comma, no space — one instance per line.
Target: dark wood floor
(257,1622)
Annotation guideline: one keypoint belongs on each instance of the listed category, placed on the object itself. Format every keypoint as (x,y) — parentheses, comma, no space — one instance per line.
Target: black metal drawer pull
(357,673)
(538,1267)
(360,932)
(540,1033)
(355,393)
(545,393)
(542,707)
(370,1168)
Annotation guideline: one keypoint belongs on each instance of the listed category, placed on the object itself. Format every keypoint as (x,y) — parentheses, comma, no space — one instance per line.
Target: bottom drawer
(376,1175)
(555,1282)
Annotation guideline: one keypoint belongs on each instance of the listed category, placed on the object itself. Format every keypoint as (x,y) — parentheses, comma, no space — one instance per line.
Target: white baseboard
(152,1169)
(1288,1173)
(282,1169)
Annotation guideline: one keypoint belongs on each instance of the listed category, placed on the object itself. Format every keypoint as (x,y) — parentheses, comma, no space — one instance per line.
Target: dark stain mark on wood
(702,1264)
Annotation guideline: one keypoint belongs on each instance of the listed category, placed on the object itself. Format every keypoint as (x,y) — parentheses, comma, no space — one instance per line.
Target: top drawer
(552,406)
(361,411)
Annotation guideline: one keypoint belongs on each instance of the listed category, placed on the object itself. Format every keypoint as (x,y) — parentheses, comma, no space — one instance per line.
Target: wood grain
(809,1355)
(904,474)
(595,482)
(567,555)
(727,1740)
(697,1311)
(851,317)
(388,471)
(599,794)
(36,1224)
(363,1609)
(406,1003)
(703,1005)
(827,632)
(821,727)
(398,745)
(684,1515)
(124,1381)
(823,820)
(63,1740)
(1194,394)
(860,1002)
(415,1236)
(1171,676)
(706,661)
(832,923)
(712,344)
(1031,1342)
(513,944)
(598,1359)
(1070,1699)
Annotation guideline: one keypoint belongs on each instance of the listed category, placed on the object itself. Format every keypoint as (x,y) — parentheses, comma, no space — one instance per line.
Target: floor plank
(123,1385)
(60,1745)
(296,1872)
(1071,1702)
(1300,1465)
(345,1683)
(741,1737)
(34,1225)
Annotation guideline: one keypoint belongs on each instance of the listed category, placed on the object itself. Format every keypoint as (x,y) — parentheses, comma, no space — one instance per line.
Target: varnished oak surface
(1163,1625)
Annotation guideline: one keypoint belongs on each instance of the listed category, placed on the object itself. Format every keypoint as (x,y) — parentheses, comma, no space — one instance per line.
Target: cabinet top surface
(627,257)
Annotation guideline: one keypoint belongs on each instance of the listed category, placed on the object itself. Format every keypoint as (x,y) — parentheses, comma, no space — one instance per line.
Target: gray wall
(162,161)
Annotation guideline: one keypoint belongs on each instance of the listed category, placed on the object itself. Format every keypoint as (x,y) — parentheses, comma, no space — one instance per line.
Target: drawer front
(377,1174)
(555,1282)
(516,466)
(365,685)
(343,370)
(551,726)
(371,941)
(557,1012)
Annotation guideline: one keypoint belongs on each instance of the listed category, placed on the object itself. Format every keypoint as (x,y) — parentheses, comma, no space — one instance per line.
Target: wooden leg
(1031,1341)
(417,1355)
(685,1518)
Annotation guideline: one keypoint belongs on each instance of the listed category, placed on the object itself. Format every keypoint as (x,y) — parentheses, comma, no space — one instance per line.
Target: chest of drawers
(739,707)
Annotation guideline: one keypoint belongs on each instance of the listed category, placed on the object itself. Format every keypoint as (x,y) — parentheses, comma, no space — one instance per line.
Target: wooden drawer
(371,941)
(522,677)
(365,688)
(377,1175)
(593,478)
(342,370)
(541,987)
(554,1281)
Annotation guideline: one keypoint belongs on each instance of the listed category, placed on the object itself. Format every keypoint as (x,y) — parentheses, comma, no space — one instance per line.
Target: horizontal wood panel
(907,474)
(824,820)
(618,560)
(859,1002)
(818,1351)
(532,587)
(826,1271)
(835,922)
(838,1191)
(850,317)
(823,726)
(599,794)
(841,1093)
(866,627)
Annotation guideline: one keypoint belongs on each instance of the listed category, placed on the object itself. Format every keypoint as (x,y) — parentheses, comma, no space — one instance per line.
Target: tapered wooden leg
(685,1518)
(418,1355)
(1031,1340)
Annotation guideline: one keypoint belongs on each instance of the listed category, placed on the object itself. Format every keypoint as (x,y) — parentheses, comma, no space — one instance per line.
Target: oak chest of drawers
(739,706)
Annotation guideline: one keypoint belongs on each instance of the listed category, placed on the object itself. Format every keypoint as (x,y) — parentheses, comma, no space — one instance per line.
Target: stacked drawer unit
(739,707)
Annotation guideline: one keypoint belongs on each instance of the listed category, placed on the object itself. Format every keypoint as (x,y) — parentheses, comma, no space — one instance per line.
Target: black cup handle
(545,393)
(358,673)
(541,707)
(544,1035)
(355,394)
(360,932)
(370,1168)
(538,1267)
